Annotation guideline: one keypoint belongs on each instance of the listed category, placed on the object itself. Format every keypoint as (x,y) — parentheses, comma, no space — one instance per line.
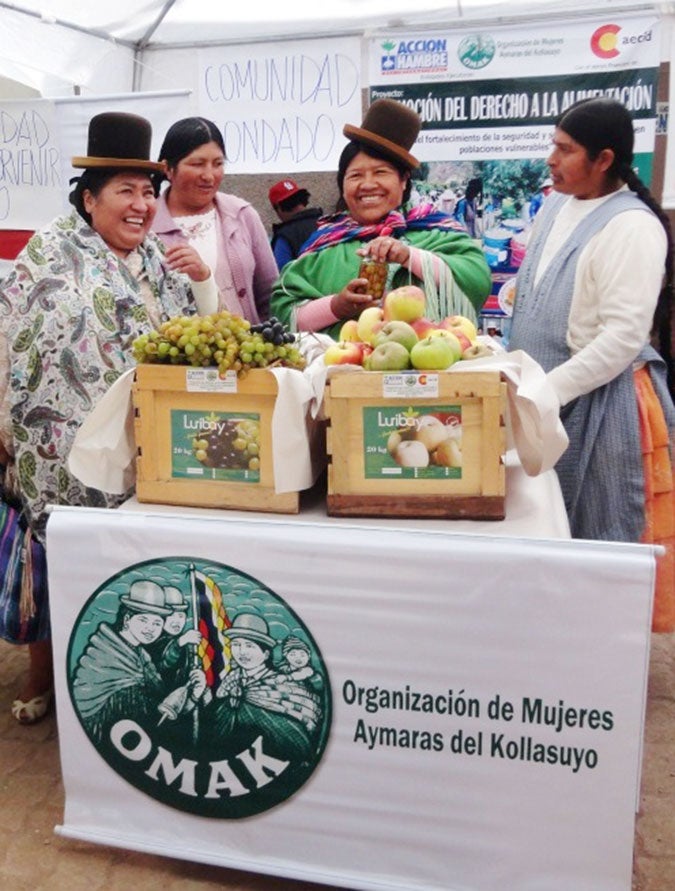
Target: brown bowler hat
(117,139)
(389,126)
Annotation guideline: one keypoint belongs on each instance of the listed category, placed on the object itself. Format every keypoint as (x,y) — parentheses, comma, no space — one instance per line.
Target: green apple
(458,341)
(369,322)
(411,453)
(435,353)
(405,304)
(399,331)
(431,431)
(388,356)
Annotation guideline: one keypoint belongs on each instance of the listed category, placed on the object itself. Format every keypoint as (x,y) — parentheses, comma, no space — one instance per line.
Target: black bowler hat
(118,139)
(389,126)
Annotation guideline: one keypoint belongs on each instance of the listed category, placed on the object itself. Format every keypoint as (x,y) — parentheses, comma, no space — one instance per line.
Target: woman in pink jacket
(226,231)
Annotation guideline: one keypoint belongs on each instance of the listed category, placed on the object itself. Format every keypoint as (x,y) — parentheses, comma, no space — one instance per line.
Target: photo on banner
(488,99)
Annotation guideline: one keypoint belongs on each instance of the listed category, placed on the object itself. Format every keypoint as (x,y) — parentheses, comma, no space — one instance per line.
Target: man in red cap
(298,221)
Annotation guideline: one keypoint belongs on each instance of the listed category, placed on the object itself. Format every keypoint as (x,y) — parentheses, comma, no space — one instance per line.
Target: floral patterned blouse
(69,312)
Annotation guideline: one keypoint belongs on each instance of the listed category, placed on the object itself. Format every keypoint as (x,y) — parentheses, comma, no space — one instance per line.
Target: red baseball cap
(282,190)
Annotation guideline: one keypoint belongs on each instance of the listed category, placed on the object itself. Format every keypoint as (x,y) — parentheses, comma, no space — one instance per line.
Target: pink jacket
(243,242)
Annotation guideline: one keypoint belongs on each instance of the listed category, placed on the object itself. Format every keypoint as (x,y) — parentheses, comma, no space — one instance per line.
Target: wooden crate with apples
(415,444)
(203,446)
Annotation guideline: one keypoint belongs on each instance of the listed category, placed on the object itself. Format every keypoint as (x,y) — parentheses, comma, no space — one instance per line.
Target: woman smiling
(422,246)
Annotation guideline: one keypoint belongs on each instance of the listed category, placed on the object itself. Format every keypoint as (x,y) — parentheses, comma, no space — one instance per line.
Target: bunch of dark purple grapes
(273,331)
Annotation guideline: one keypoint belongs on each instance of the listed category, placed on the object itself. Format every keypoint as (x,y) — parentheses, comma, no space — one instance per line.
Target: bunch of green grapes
(222,339)
(235,447)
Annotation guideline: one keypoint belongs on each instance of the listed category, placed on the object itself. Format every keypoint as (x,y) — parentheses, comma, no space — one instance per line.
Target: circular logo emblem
(200,687)
(476,50)
(604,41)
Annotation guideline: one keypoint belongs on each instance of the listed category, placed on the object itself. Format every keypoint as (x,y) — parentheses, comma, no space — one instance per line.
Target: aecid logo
(200,687)
(607,44)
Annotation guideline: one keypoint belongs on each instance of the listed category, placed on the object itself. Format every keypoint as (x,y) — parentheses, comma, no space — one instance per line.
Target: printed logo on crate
(200,686)
(424,442)
(215,446)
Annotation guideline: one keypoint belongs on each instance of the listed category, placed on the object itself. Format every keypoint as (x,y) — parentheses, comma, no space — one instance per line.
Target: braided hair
(600,123)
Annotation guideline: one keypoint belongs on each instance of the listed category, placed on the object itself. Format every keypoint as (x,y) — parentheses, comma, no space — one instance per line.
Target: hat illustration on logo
(390,127)
(252,627)
(118,139)
(146,597)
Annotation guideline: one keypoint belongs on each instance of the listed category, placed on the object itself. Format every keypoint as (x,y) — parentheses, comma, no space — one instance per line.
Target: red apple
(404,304)
(346,352)
(423,326)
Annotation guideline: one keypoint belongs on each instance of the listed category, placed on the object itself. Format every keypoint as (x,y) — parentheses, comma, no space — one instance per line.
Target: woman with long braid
(589,293)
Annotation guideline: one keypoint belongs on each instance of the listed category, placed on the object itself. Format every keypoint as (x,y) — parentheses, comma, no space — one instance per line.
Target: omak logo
(200,687)
(604,41)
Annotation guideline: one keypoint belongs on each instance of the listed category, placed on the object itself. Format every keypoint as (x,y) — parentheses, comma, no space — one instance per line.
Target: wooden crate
(366,412)
(169,416)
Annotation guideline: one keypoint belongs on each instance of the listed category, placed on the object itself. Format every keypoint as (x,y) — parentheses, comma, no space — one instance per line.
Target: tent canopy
(61,46)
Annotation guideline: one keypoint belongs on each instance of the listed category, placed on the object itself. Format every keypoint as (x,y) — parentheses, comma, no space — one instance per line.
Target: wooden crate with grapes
(203,400)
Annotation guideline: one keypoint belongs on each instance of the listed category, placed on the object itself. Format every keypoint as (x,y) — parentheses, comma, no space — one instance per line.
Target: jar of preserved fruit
(375,271)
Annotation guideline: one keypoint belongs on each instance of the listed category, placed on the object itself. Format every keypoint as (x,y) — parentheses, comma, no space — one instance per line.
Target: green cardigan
(327,271)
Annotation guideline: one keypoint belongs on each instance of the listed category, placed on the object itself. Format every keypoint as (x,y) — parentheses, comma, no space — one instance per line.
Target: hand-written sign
(30,163)
(282,107)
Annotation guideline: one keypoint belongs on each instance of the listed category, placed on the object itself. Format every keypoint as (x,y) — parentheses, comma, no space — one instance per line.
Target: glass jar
(375,271)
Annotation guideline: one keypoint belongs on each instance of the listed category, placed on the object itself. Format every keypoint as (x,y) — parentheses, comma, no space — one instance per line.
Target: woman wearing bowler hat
(322,288)
(79,294)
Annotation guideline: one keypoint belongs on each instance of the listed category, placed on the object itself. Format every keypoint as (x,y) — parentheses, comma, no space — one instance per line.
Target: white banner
(282,106)
(39,137)
(374,707)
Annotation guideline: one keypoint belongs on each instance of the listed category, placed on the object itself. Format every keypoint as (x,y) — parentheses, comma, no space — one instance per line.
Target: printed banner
(281,106)
(488,100)
(459,711)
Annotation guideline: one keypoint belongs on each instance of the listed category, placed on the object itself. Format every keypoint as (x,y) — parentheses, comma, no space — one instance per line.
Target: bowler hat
(146,597)
(390,127)
(252,627)
(118,139)
(173,598)
(282,190)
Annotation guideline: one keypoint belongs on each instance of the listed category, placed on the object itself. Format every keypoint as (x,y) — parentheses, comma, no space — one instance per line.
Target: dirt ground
(32,857)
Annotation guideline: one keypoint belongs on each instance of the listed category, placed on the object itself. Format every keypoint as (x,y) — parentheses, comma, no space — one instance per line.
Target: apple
(411,453)
(431,431)
(435,353)
(349,331)
(464,341)
(423,326)
(388,356)
(461,322)
(401,332)
(346,352)
(477,351)
(369,322)
(404,304)
(458,340)
(448,453)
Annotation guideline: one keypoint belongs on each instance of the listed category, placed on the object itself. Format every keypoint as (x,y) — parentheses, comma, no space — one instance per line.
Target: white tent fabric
(58,47)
